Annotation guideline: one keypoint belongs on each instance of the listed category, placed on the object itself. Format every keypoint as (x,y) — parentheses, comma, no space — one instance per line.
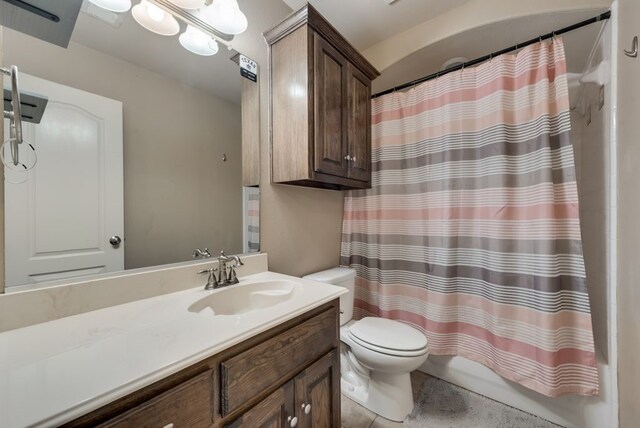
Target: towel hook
(633,53)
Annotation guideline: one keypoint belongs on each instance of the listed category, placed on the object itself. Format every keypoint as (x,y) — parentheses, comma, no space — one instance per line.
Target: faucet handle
(211,279)
(233,278)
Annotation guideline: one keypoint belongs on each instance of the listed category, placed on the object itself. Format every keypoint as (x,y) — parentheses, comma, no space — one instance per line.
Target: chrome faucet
(224,279)
(230,278)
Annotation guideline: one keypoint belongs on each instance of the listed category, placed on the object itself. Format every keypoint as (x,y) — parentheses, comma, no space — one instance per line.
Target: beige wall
(628,154)
(178,193)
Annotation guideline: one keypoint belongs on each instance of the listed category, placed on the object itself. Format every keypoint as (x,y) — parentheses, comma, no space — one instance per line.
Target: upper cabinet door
(330,130)
(359,124)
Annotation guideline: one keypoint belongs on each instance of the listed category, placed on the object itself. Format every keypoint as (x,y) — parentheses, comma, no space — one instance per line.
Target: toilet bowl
(376,354)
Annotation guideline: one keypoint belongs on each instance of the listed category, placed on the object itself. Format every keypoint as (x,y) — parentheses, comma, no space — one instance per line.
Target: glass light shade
(226,16)
(117,6)
(155,19)
(188,4)
(198,42)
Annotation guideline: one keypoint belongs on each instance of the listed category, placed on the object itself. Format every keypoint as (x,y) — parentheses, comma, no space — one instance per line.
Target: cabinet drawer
(275,360)
(186,405)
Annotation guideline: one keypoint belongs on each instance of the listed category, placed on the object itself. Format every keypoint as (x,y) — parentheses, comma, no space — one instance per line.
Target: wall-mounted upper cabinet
(320,105)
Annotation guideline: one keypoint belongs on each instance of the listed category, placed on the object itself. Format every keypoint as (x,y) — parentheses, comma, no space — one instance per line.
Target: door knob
(293,421)
(115,240)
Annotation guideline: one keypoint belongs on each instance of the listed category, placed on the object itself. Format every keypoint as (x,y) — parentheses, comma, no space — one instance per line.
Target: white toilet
(376,355)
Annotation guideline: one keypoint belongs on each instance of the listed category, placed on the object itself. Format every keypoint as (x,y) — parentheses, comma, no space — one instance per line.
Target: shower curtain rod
(604,16)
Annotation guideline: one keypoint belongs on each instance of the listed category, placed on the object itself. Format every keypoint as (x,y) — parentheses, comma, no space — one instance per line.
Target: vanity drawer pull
(262,367)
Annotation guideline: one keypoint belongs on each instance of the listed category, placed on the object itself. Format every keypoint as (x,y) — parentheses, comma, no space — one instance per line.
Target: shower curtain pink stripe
(471,230)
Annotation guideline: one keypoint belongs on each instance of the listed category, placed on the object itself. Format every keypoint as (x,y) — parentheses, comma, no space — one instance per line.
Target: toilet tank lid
(332,276)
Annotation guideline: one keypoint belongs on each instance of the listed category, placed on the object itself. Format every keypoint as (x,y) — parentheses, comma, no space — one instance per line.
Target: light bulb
(198,42)
(155,12)
(226,16)
(155,19)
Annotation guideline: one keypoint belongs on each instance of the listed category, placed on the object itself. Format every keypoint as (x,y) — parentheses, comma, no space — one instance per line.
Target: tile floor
(454,408)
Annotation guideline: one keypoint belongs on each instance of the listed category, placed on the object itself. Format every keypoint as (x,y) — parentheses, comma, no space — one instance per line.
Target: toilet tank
(343,277)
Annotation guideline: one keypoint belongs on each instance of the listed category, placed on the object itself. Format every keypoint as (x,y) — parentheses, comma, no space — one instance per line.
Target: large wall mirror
(137,159)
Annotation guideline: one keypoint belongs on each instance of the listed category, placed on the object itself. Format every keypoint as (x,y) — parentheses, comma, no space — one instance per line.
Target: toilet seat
(388,351)
(388,337)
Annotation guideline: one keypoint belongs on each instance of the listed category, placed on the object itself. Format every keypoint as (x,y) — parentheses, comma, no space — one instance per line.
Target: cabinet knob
(168,425)
(353,159)
(293,421)
(347,157)
(306,408)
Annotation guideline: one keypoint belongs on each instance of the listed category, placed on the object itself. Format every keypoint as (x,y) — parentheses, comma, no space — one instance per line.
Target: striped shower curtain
(471,230)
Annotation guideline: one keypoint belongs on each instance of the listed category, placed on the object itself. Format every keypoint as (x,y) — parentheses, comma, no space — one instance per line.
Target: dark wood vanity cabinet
(286,376)
(311,398)
(320,89)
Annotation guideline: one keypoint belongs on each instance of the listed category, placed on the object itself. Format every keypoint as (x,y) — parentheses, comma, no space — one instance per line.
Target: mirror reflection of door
(60,216)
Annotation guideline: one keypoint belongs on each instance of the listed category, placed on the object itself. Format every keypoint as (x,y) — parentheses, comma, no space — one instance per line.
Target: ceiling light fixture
(155,19)
(226,16)
(198,42)
(117,6)
(188,4)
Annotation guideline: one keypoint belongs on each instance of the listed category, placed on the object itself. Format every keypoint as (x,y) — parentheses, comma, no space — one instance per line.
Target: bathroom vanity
(285,376)
(263,352)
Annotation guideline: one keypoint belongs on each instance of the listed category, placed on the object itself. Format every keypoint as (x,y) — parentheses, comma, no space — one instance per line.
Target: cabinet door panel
(315,389)
(359,124)
(330,109)
(272,412)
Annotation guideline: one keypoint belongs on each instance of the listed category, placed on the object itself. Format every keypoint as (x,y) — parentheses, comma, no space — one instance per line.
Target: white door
(58,222)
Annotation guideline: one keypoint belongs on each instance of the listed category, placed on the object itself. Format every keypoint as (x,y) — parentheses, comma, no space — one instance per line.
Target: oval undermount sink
(242,298)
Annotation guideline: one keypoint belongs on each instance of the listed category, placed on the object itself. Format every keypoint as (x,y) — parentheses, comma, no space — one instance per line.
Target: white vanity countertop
(54,372)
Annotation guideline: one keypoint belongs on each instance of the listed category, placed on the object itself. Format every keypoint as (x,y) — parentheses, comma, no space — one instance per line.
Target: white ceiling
(217,74)
(367,22)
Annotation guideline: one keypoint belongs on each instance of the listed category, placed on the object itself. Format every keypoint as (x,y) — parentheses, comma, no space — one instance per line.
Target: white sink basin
(242,298)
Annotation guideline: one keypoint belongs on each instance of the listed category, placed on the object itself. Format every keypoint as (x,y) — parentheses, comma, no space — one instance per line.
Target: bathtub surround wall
(160,161)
